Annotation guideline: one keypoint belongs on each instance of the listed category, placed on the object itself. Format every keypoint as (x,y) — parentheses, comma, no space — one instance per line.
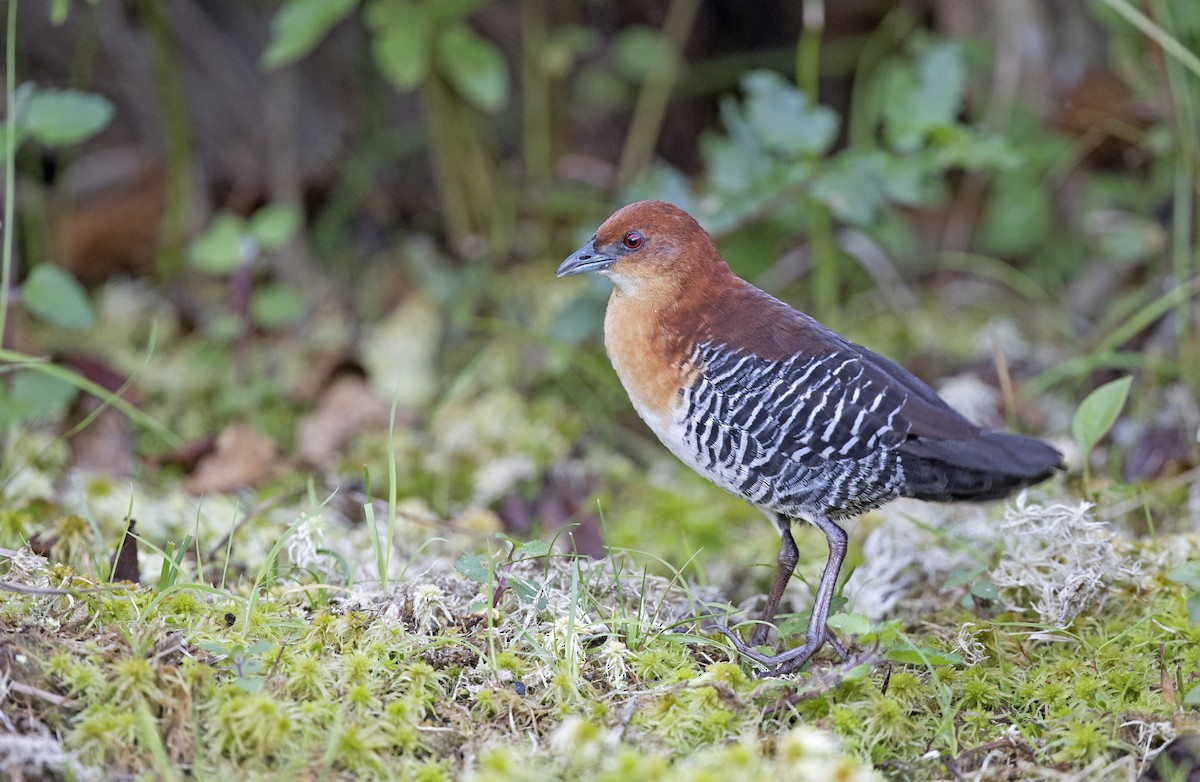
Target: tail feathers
(988,467)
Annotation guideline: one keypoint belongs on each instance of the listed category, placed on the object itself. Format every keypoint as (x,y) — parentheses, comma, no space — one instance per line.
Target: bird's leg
(789,555)
(817,633)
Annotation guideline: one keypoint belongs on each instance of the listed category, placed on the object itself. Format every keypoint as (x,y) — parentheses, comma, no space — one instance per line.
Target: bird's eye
(633,240)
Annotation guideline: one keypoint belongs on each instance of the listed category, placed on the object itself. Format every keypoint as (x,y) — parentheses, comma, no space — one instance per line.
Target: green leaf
(883,634)
(1193,697)
(985,590)
(58,11)
(907,654)
(222,248)
(476,567)
(528,591)
(784,118)
(1187,574)
(534,549)
(452,10)
(299,26)
(259,647)
(1098,412)
(962,576)
(400,42)
(58,117)
(1019,216)
(1193,608)
(1127,238)
(852,186)
(56,297)
(275,224)
(250,685)
(474,66)
(857,673)
(35,397)
(277,306)
(637,50)
(921,99)
(851,624)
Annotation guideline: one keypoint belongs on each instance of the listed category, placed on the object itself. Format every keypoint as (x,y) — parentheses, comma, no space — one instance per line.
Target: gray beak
(585,259)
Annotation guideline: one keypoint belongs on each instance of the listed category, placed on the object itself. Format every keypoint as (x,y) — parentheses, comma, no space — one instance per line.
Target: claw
(782,663)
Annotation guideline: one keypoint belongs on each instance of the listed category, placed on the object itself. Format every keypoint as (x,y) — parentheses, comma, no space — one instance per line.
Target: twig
(38,692)
(22,589)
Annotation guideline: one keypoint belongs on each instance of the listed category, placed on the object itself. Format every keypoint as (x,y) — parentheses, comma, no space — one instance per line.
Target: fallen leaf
(244,457)
(347,407)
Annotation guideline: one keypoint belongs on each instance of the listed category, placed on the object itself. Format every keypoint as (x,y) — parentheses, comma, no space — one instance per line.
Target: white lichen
(614,657)
(1059,559)
(915,544)
(429,609)
(968,645)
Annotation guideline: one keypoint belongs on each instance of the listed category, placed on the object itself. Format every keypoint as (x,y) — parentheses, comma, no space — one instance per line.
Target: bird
(779,410)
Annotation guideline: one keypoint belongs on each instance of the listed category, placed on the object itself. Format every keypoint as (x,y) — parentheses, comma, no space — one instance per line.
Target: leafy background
(311,467)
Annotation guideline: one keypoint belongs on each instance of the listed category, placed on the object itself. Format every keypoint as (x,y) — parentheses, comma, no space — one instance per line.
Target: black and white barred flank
(839,433)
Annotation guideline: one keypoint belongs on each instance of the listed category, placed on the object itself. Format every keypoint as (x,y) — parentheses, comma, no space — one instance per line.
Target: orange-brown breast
(650,356)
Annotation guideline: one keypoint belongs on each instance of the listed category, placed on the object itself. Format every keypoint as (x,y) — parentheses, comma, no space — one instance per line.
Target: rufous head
(648,244)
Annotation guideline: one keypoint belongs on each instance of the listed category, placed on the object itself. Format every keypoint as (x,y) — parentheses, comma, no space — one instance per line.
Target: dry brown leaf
(347,407)
(244,457)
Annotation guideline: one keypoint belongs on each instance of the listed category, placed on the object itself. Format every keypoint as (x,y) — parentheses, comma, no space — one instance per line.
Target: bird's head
(648,246)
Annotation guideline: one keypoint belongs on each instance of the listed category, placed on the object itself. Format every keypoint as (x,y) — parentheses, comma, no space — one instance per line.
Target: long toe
(775,664)
(791,661)
(837,647)
(745,649)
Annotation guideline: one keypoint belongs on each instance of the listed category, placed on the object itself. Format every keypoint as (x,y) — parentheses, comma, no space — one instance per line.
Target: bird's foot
(783,663)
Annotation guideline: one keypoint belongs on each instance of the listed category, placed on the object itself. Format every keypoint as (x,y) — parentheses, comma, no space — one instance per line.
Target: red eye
(633,240)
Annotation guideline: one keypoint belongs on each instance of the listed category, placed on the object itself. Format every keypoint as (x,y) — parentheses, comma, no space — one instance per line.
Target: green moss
(185,604)
(17,524)
(133,679)
(245,725)
(689,717)
(662,660)
(355,696)
(82,678)
(1081,740)
(360,748)
(359,668)
(430,771)
(73,540)
(307,676)
(103,732)
(512,662)
(978,690)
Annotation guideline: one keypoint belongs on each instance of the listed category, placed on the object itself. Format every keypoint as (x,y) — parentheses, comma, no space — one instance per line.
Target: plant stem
(169,85)
(825,255)
(1187,171)
(808,50)
(651,105)
(538,136)
(455,211)
(1155,33)
(10,153)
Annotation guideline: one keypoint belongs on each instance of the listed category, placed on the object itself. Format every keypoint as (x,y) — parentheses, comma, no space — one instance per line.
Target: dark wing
(811,409)
(815,397)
